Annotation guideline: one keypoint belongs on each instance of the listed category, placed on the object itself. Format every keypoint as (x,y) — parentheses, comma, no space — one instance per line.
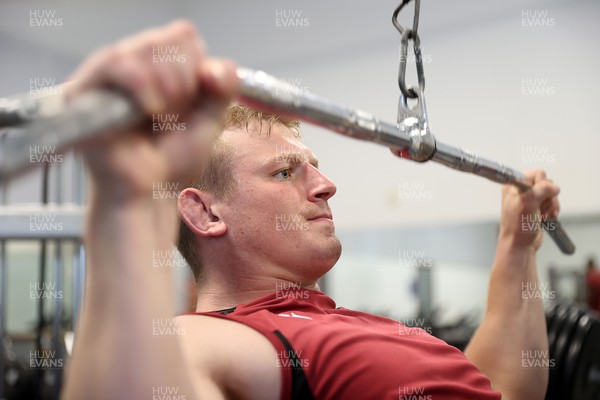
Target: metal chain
(409,34)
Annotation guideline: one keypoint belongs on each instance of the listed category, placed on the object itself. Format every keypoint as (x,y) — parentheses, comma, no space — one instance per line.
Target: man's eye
(283,174)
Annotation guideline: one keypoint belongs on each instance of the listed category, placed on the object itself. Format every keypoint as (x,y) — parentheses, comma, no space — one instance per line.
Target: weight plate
(561,348)
(586,385)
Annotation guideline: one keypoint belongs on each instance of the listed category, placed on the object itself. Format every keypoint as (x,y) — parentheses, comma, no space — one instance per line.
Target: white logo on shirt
(294,316)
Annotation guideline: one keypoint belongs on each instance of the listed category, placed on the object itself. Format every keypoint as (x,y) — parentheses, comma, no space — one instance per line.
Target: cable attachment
(412,121)
(409,34)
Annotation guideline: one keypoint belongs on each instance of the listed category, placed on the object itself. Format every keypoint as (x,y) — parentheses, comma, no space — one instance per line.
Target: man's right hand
(116,353)
(167,73)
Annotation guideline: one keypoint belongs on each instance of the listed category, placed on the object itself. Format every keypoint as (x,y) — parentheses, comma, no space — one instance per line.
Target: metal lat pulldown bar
(97,111)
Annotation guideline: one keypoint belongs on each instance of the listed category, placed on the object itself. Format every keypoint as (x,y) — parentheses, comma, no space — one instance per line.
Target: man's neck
(214,297)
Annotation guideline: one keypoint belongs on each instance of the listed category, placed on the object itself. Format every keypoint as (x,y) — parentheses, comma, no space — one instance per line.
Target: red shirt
(593,283)
(347,354)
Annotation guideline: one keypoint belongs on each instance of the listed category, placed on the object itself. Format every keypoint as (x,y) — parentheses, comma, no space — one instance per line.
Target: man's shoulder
(237,356)
(219,335)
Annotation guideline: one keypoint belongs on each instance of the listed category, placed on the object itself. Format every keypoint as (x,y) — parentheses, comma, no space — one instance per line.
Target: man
(263,329)
(592,281)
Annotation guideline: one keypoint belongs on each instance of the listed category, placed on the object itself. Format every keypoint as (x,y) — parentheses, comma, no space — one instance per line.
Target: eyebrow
(293,158)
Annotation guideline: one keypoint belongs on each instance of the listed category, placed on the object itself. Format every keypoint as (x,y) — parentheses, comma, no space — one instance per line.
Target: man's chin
(315,260)
(328,256)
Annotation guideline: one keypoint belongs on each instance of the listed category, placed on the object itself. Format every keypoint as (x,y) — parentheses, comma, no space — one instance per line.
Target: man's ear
(197,210)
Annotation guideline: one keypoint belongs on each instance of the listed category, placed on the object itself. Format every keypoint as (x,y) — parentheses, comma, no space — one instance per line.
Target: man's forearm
(117,352)
(511,345)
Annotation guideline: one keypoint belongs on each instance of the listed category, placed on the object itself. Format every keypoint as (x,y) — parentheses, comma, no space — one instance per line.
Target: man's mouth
(322,216)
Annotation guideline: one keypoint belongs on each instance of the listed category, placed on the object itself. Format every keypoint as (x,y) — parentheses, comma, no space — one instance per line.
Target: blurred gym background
(514,81)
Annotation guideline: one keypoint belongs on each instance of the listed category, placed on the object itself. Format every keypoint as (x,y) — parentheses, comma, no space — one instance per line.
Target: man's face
(278,215)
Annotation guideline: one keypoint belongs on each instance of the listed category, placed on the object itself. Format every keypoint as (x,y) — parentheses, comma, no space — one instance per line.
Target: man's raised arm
(511,345)
(117,353)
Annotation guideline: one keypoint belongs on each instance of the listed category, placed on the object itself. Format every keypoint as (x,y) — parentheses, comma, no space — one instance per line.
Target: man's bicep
(207,388)
(197,358)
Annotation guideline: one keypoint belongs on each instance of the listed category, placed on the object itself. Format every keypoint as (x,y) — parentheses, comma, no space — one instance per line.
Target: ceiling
(246,30)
